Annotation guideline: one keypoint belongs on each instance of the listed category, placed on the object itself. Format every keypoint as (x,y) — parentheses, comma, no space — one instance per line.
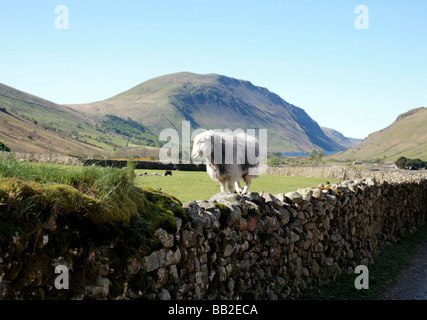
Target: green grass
(190,186)
(104,195)
(387,267)
(88,207)
(100,182)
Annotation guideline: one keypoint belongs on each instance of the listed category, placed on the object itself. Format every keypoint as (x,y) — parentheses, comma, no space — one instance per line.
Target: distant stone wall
(258,246)
(48,158)
(156,165)
(76,161)
(343,172)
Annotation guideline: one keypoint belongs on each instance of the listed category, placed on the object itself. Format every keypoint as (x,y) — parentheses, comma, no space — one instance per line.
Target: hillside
(407,137)
(129,123)
(339,138)
(214,101)
(32,124)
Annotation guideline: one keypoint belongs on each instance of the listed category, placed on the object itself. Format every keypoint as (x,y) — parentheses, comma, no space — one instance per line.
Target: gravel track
(412,281)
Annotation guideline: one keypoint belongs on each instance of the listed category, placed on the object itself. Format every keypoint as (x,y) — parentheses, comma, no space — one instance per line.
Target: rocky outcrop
(259,246)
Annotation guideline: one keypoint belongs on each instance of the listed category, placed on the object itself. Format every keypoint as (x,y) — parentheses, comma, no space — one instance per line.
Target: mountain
(32,124)
(340,138)
(214,101)
(407,137)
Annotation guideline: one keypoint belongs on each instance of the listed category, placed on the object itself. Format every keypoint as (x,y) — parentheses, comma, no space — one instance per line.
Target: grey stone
(165,238)
(283,216)
(172,257)
(154,261)
(315,268)
(173,274)
(99,290)
(178,224)
(302,205)
(207,205)
(228,250)
(164,294)
(188,238)
(161,277)
(306,193)
(269,198)
(253,197)
(294,196)
(317,194)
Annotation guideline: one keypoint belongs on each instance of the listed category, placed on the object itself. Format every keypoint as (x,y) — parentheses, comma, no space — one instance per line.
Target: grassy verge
(50,211)
(387,267)
(33,195)
(98,182)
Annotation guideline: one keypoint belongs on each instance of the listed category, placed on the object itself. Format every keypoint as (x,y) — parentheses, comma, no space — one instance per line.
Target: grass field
(184,185)
(190,186)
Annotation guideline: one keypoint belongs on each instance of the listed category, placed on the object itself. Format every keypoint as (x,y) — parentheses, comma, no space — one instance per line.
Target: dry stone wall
(77,161)
(259,246)
(44,158)
(346,172)
(262,246)
(141,164)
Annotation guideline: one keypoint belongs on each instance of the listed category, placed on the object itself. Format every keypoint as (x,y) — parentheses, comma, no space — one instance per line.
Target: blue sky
(309,52)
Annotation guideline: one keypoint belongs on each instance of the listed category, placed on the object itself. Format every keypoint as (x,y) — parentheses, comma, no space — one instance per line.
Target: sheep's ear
(207,135)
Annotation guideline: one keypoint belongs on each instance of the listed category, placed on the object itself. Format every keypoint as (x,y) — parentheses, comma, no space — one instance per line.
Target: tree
(316,155)
(404,163)
(3,147)
(274,162)
(401,162)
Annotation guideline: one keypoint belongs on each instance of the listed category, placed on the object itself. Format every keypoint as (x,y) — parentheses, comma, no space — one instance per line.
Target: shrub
(405,163)
(3,147)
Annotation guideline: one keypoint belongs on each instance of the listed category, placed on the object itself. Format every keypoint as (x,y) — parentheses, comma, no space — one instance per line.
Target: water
(302,154)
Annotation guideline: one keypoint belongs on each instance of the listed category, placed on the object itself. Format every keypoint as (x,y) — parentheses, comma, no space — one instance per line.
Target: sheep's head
(202,145)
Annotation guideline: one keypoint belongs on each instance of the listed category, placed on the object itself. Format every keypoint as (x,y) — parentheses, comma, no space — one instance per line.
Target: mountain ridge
(33,124)
(129,123)
(406,136)
(215,101)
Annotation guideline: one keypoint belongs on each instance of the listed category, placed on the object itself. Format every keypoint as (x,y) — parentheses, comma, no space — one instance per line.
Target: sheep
(227,158)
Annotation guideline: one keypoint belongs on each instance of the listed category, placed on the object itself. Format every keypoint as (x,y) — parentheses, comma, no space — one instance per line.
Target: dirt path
(412,282)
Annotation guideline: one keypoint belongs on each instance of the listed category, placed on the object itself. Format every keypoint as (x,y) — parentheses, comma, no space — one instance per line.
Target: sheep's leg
(238,186)
(230,187)
(223,186)
(248,180)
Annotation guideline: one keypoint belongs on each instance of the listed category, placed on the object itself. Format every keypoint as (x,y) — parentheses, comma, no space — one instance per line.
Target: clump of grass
(95,181)
(103,195)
